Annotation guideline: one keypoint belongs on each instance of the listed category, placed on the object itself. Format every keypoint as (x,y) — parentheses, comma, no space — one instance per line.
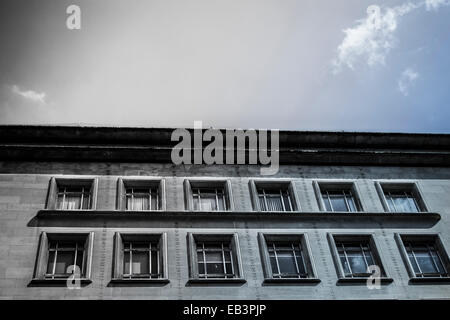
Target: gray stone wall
(23,192)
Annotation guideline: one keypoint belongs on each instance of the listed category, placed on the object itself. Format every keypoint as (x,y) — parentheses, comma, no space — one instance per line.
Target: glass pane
(351,203)
(437,261)
(64,259)
(51,262)
(338,203)
(412,207)
(214,268)
(222,205)
(413,263)
(79,261)
(208,203)
(301,265)
(287,203)
(73,201)
(262,204)
(154,202)
(286,262)
(326,203)
(214,257)
(357,263)
(140,202)
(273,264)
(126,263)
(86,202)
(155,262)
(274,203)
(201,268)
(140,263)
(345,265)
(229,269)
(196,203)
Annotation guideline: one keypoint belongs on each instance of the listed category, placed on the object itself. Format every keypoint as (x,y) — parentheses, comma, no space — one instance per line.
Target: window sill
(281,281)
(430,280)
(363,280)
(231,281)
(56,282)
(123,281)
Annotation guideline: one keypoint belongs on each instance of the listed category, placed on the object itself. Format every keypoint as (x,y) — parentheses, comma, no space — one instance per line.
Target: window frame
(405,186)
(120,238)
(308,260)
(138,182)
(319,185)
(254,184)
(356,237)
(400,238)
(190,184)
(40,271)
(71,181)
(193,238)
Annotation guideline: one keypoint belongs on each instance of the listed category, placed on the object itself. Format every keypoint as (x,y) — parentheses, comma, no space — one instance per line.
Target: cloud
(373,37)
(29,94)
(435,4)
(407,78)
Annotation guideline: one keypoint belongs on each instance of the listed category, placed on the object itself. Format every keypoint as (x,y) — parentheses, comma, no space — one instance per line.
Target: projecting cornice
(124,144)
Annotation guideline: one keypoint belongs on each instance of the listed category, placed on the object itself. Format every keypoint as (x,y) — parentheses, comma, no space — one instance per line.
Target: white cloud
(407,78)
(29,94)
(373,37)
(435,4)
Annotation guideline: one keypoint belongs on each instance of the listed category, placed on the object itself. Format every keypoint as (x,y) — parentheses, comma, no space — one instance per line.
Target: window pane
(338,203)
(140,262)
(201,268)
(126,263)
(401,203)
(287,202)
(73,201)
(208,203)
(155,262)
(273,263)
(345,265)
(286,262)
(214,268)
(413,263)
(79,261)
(351,204)
(327,203)
(300,263)
(51,262)
(214,257)
(64,259)
(262,204)
(357,263)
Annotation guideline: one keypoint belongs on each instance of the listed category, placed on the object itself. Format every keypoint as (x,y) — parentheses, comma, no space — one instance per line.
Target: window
(214,257)
(209,199)
(72,194)
(424,256)
(207,195)
(286,257)
(356,257)
(73,198)
(62,254)
(401,197)
(140,257)
(337,197)
(273,196)
(140,194)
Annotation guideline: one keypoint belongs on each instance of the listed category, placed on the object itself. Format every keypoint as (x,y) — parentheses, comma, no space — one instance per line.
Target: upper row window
(216,195)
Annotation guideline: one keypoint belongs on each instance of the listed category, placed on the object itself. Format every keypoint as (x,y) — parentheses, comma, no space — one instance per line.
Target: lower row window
(285,257)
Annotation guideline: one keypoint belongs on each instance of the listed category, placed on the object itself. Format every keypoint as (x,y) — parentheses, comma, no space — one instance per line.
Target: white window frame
(140,182)
(118,273)
(318,185)
(40,271)
(288,185)
(194,238)
(190,184)
(406,186)
(71,181)
(400,238)
(308,260)
(356,237)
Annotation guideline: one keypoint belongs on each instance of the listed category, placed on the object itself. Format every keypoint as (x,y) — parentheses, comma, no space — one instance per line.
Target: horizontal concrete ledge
(428,280)
(362,280)
(138,281)
(59,282)
(290,281)
(117,214)
(215,281)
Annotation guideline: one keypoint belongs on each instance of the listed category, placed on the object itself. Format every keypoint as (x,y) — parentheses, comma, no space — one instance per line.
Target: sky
(348,65)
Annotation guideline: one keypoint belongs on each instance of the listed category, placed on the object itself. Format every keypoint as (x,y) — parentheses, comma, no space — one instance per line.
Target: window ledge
(197,281)
(57,281)
(186,213)
(291,280)
(139,281)
(363,280)
(429,280)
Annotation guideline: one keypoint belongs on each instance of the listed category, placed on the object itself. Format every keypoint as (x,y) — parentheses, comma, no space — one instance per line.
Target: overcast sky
(290,64)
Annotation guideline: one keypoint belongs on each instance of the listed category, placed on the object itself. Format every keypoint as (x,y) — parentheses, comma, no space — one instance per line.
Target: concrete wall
(23,191)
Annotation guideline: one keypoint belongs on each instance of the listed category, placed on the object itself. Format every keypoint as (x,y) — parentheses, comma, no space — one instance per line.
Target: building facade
(103,213)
